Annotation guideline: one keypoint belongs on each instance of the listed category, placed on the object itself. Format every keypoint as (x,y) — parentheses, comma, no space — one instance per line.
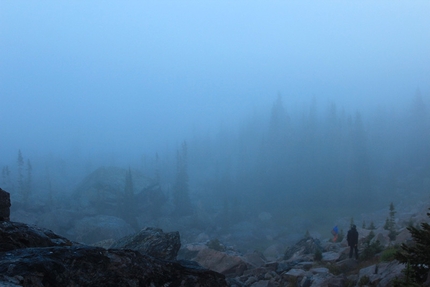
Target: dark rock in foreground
(4,205)
(95,266)
(152,241)
(16,235)
(31,256)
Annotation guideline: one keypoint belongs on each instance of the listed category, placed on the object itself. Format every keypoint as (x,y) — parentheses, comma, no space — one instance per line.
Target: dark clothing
(352,239)
(353,249)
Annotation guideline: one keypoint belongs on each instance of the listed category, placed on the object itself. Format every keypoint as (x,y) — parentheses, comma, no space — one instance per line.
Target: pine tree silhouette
(417,254)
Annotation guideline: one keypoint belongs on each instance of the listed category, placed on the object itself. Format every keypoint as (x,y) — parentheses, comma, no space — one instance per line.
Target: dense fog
(287,114)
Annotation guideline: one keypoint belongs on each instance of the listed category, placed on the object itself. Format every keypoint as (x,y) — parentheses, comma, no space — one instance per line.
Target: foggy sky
(132,77)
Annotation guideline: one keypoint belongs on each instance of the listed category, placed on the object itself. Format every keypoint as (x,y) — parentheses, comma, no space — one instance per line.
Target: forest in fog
(222,117)
(316,162)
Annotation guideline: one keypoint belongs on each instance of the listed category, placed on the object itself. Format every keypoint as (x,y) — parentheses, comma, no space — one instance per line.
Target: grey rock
(306,246)
(16,235)
(32,256)
(262,283)
(320,270)
(295,273)
(152,241)
(190,251)
(383,273)
(283,267)
(230,265)
(94,266)
(255,259)
(330,256)
(328,280)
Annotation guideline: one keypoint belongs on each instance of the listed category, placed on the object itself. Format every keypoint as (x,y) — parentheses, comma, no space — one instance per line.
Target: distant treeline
(319,161)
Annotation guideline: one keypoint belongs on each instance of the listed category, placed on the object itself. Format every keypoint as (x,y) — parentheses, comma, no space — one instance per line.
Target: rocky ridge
(276,265)
(33,256)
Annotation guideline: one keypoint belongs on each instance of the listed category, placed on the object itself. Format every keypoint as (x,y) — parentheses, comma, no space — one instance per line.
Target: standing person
(352,238)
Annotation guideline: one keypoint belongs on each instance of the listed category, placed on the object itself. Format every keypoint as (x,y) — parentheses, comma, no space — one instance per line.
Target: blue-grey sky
(132,76)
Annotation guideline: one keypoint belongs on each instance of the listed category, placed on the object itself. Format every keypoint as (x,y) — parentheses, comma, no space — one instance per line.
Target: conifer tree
(181,197)
(417,254)
(20,161)
(6,181)
(392,223)
(50,192)
(129,207)
(27,186)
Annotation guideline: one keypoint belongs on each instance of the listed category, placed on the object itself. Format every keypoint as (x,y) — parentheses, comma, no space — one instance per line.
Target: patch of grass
(364,281)
(336,269)
(389,254)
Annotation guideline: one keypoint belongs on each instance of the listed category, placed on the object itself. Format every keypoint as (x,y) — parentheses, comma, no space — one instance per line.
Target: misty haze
(248,123)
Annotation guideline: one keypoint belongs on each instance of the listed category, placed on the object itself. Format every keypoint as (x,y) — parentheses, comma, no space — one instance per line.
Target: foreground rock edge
(32,256)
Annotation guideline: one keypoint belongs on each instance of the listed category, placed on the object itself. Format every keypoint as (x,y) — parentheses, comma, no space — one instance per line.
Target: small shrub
(334,269)
(392,235)
(365,280)
(389,254)
(371,250)
(408,279)
(369,237)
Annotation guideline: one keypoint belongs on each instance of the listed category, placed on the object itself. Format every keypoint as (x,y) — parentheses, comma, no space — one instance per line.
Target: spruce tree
(50,192)
(129,206)
(417,254)
(392,223)
(27,185)
(6,181)
(181,197)
(20,180)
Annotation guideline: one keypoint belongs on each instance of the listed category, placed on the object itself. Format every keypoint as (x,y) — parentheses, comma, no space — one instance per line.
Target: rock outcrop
(16,235)
(306,246)
(297,268)
(4,205)
(31,256)
(94,266)
(152,241)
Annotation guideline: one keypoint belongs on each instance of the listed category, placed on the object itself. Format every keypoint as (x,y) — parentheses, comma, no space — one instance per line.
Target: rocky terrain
(109,250)
(33,256)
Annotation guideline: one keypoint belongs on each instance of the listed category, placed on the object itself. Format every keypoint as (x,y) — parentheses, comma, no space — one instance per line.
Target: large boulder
(32,256)
(4,205)
(221,262)
(16,235)
(152,241)
(95,266)
(381,274)
(305,247)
